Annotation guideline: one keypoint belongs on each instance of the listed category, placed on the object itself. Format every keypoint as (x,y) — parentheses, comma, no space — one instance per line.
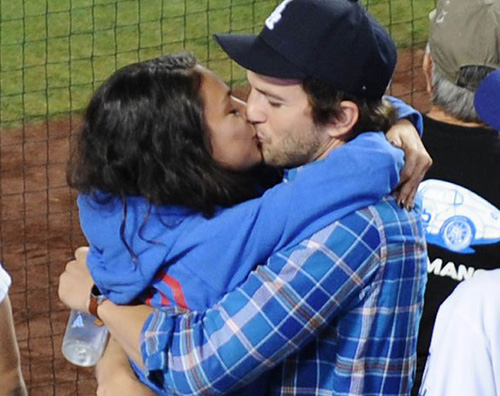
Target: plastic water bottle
(84,340)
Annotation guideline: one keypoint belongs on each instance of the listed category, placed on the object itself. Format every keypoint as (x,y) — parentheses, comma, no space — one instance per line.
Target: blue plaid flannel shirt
(336,315)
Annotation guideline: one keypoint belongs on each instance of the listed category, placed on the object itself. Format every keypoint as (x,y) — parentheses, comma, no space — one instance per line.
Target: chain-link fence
(53,54)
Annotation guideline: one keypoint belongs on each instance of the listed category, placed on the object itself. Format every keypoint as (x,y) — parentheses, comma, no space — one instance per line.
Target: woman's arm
(353,176)
(74,291)
(417,161)
(406,134)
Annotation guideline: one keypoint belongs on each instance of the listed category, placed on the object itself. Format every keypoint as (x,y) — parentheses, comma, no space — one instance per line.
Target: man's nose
(255,113)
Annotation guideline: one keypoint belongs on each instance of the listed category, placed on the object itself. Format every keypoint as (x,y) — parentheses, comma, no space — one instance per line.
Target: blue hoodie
(193,261)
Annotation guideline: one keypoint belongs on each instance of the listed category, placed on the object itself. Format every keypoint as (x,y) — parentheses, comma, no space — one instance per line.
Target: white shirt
(464,355)
(4,283)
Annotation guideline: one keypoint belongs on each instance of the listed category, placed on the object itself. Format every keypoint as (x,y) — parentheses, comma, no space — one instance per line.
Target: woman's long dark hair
(144,134)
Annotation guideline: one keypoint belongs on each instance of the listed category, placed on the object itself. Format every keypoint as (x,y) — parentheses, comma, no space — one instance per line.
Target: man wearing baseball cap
(337,313)
(462,193)
(334,43)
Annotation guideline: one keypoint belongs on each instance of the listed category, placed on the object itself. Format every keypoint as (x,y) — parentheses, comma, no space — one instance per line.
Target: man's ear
(348,117)
(427,69)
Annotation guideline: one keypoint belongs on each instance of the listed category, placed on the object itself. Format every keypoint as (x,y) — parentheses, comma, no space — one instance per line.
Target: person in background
(11,378)
(461,193)
(351,294)
(464,356)
(487,100)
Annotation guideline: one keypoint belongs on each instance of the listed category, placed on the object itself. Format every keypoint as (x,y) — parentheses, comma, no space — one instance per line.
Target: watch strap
(96,299)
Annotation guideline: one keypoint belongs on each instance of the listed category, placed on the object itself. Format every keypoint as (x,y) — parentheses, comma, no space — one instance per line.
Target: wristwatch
(96,299)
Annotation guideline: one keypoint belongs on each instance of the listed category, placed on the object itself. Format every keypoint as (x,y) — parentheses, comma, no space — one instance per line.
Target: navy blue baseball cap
(335,41)
(487,100)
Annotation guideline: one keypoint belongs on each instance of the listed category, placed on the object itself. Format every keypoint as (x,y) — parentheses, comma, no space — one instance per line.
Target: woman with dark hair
(164,154)
(144,135)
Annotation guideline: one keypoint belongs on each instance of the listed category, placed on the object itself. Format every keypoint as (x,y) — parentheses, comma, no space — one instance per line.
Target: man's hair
(144,134)
(374,114)
(458,99)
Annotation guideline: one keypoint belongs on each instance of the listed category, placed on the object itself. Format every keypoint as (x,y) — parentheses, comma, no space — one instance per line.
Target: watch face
(95,292)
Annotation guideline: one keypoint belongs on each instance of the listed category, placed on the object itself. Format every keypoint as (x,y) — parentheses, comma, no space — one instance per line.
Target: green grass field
(53,53)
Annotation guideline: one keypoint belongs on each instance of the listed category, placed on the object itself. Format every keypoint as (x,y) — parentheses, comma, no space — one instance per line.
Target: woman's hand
(417,160)
(114,375)
(75,282)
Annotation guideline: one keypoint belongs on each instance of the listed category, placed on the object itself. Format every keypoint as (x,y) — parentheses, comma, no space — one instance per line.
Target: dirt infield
(39,231)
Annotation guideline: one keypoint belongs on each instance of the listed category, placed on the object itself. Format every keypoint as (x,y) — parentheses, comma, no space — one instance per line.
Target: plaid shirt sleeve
(276,311)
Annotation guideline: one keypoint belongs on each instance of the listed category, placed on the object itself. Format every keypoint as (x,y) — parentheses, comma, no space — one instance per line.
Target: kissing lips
(257,141)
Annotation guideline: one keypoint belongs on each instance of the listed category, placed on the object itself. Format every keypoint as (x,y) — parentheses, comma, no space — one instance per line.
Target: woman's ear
(427,69)
(349,115)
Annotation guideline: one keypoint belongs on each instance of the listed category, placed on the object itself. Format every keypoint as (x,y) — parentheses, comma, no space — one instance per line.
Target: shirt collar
(290,174)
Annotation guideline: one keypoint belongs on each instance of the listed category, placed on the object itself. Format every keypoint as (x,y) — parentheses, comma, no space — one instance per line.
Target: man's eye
(234,111)
(275,104)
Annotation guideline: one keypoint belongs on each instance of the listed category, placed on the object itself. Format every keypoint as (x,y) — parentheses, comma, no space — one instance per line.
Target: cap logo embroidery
(275,17)
(440,17)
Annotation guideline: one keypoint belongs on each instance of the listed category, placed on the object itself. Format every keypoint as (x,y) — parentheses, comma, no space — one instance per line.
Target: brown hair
(374,114)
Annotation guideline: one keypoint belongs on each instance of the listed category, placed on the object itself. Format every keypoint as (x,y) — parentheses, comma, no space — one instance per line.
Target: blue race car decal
(456,218)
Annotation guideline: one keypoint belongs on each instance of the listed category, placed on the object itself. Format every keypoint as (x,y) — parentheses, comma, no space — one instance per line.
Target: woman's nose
(242,108)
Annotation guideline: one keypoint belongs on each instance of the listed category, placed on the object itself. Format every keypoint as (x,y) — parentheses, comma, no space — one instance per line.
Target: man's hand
(75,282)
(417,161)
(114,375)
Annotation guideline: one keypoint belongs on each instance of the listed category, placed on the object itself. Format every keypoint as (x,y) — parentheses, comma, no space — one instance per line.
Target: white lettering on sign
(450,269)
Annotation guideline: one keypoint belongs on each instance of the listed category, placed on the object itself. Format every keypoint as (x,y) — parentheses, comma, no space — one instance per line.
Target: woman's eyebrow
(227,97)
